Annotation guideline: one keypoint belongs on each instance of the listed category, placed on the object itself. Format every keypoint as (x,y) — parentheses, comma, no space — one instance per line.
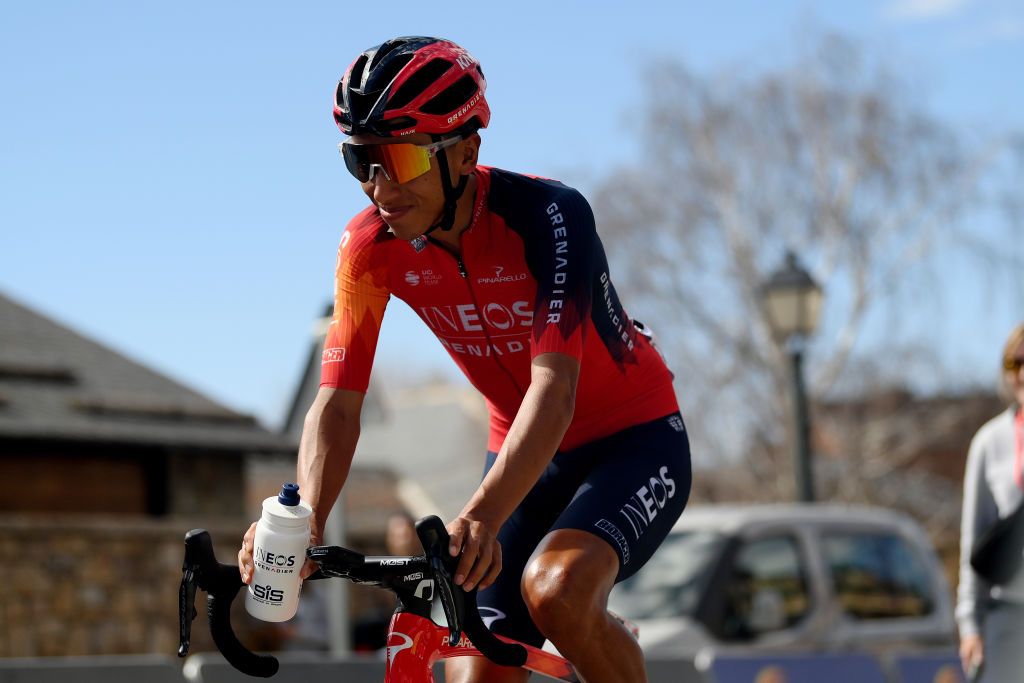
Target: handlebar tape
(219,612)
(221,583)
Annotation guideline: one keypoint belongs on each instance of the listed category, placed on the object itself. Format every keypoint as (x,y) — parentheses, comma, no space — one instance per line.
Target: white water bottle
(279,551)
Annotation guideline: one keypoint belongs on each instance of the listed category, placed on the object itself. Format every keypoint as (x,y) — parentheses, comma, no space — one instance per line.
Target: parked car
(811,578)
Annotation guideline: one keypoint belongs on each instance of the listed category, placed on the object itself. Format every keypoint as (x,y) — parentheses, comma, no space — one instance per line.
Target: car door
(884,590)
(762,594)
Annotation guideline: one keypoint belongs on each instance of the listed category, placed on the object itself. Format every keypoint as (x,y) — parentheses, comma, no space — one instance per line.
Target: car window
(673,580)
(767,590)
(878,576)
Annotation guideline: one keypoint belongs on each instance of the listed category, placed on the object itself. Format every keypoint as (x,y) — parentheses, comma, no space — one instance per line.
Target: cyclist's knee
(569,575)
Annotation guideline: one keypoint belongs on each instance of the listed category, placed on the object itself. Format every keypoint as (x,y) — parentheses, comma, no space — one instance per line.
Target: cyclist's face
(412,207)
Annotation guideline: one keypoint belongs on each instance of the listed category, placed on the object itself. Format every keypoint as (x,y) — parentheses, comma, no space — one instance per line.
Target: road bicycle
(414,641)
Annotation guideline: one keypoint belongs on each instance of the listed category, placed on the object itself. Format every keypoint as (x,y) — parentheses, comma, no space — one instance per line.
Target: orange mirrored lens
(401,162)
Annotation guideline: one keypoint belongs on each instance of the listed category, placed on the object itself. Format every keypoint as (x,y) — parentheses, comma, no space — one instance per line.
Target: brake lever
(460,606)
(452,600)
(186,603)
(434,538)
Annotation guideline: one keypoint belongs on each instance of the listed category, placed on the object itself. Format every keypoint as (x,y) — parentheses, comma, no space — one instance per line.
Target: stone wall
(90,585)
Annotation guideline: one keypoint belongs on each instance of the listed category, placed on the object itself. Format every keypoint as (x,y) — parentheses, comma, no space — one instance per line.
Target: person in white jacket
(991,617)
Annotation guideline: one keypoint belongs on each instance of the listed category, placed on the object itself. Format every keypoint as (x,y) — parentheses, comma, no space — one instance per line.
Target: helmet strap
(452,193)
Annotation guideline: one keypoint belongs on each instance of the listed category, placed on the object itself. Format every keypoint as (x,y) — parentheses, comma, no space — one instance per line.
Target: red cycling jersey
(532,279)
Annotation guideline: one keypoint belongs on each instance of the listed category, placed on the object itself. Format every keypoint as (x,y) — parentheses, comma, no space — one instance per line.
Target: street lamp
(792,302)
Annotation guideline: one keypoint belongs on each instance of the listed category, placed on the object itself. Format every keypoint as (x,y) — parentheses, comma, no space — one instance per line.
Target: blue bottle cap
(289,495)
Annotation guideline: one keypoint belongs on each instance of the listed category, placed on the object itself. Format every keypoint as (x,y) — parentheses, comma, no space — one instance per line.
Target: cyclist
(588,462)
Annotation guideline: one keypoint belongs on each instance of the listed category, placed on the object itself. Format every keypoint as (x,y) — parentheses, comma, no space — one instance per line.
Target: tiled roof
(56,384)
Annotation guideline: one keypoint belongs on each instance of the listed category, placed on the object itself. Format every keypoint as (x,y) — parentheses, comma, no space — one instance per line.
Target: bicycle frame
(415,643)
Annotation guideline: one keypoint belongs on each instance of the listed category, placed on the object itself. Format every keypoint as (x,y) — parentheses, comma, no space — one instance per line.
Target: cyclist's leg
(622,512)
(501,604)
(566,588)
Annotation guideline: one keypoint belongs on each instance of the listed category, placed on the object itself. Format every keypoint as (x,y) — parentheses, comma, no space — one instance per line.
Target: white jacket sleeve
(979,512)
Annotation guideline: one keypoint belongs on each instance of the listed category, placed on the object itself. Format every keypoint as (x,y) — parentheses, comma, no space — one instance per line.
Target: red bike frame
(415,644)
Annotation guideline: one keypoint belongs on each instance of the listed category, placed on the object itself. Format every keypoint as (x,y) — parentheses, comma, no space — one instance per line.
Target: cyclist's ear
(469,150)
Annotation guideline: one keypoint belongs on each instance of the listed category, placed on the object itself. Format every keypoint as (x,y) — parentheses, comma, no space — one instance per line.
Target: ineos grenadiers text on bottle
(279,551)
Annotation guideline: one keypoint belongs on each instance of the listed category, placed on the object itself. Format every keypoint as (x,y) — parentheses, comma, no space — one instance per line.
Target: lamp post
(792,301)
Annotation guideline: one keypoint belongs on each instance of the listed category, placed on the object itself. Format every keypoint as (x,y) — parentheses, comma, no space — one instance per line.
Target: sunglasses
(1013,364)
(400,162)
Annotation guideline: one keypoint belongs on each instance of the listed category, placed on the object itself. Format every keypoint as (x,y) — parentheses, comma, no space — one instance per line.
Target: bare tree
(834,157)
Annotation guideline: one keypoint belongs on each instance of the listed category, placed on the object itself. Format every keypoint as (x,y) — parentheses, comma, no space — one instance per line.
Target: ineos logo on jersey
(468,318)
(643,506)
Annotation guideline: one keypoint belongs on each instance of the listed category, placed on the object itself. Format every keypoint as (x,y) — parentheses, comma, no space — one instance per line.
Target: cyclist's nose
(382,186)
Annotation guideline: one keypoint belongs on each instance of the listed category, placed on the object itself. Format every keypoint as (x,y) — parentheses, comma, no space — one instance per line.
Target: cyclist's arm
(331,427)
(538,429)
(329,437)
(532,440)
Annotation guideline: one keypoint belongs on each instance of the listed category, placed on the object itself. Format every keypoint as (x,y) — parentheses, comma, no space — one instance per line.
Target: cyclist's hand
(245,565)
(479,552)
(310,566)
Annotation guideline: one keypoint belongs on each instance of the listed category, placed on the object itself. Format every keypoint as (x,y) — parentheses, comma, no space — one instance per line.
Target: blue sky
(171,184)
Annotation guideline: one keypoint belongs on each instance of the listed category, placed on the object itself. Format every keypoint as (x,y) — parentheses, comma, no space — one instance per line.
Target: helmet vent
(356,79)
(418,82)
(381,76)
(384,49)
(452,97)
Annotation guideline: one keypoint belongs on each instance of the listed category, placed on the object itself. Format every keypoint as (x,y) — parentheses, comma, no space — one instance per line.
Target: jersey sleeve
(360,297)
(560,249)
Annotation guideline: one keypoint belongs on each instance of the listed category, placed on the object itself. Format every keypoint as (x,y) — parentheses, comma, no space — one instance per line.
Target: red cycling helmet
(409,85)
